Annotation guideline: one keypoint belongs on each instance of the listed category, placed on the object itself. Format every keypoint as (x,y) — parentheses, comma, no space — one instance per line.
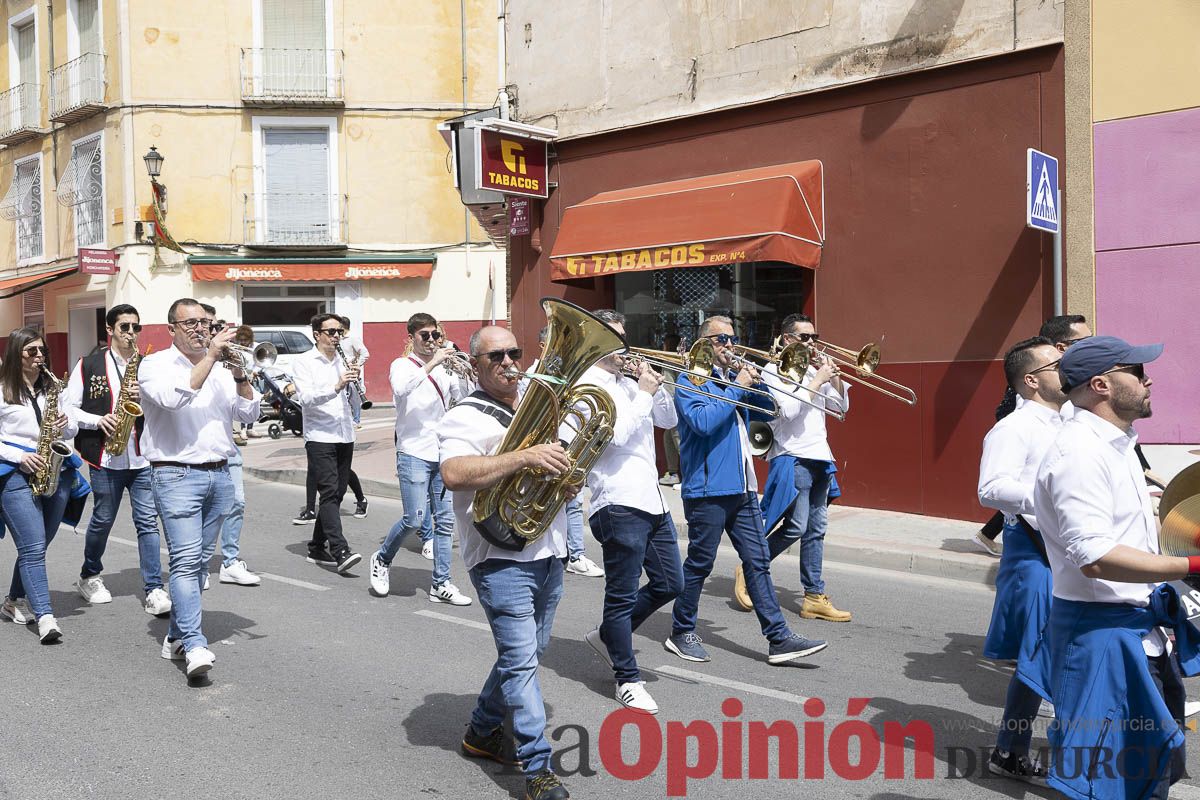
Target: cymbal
(1180,535)
(1194,452)
(1183,485)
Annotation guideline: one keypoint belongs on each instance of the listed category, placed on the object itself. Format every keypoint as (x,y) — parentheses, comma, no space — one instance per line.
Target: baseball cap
(1096,355)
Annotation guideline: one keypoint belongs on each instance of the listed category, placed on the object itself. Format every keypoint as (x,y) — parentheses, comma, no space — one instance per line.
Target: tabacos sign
(698,254)
(511,164)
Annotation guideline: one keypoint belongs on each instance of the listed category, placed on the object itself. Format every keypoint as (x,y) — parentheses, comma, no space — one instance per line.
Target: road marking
(469,623)
(700,677)
(265,575)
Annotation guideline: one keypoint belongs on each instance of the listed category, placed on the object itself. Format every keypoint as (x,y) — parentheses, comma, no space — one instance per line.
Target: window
(295,178)
(276,305)
(86,38)
(297,342)
(82,188)
(295,47)
(23,205)
(25,109)
(33,310)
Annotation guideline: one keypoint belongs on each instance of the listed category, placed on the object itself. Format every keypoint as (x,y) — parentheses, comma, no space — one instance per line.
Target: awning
(11,287)
(220,268)
(774,213)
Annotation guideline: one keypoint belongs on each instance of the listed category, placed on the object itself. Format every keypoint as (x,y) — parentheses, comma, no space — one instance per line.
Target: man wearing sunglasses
(423,389)
(519,589)
(1114,681)
(322,380)
(190,403)
(92,390)
(720,495)
(1012,451)
(358,353)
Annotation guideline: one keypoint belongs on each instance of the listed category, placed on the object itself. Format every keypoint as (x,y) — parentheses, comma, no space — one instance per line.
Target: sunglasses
(33,352)
(1136,370)
(332,331)
(126,327)
(497,356)
(1051,365)
(723,338)
(805,337)
(434,335)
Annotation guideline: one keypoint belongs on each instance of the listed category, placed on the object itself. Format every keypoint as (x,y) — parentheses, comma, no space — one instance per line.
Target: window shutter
(294,58)
(27,54)
(89,28)
(297,185)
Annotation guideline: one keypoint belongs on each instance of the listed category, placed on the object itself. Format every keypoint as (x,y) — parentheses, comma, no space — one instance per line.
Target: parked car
(290,342)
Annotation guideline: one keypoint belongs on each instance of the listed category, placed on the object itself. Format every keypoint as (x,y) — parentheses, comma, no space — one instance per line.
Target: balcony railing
(294,219)
(291,76)
(20,113)
(77,88)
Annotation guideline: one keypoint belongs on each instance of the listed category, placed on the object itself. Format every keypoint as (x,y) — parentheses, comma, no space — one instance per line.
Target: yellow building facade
(303,169)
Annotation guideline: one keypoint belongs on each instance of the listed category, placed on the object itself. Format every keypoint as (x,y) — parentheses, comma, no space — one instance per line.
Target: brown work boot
(740,595)
(817,606)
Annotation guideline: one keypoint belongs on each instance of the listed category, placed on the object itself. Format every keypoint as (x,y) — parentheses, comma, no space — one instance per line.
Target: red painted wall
(387,340)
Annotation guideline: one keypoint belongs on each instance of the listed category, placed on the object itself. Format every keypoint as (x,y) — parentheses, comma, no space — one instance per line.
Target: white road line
(265,575)
(749,688)
(469,623)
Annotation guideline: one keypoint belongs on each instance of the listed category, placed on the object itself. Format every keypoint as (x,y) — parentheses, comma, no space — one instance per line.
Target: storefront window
(675,301)
(285,305)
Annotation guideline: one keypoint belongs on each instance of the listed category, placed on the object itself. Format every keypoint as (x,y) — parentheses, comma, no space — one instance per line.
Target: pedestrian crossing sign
(1041,191)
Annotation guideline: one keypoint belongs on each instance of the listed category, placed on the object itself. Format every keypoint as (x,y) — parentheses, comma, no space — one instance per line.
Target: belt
(206,466)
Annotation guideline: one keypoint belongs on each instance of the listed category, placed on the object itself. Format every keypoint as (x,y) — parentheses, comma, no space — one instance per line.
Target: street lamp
(154,162)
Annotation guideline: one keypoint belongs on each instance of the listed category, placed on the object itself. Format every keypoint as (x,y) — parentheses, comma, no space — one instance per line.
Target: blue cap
(1096,355)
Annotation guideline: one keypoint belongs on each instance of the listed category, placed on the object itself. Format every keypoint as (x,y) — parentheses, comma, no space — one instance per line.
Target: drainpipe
(462,12)
(53,129)
(501,66)
(130,199)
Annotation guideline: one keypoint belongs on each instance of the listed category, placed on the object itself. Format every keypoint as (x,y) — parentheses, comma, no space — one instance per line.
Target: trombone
(865,362)
(790,363)
(697,364)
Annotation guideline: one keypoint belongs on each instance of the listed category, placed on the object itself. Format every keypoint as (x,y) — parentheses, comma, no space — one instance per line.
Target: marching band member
(92,392)
(518,589)
(1012,451)
(629,517)
(322,380)
(190,403)
(796,500)
(33,520)
(358,354)
(720,494)
(423,390)
(1116,687)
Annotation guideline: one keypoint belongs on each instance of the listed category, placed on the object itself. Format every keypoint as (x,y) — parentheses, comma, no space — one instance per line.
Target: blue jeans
(108,486)
(421,489)
(33,521)
(575,546)
(1020,712)
(193,503)
(739,515)
(231,529)
(519,598)
(632,540)
(807,522)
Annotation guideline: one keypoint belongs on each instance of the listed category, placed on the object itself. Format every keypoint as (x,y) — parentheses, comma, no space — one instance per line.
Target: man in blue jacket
(720,494)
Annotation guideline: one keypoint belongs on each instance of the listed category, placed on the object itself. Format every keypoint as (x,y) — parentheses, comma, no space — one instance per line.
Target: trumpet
(791,363)
(458,363)
(358,384)
(865,362)
(249,359)
(697,363)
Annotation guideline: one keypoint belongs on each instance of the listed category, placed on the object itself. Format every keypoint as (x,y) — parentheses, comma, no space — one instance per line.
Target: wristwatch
(240,380)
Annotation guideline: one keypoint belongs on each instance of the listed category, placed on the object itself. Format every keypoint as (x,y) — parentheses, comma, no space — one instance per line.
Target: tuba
(127,410)
(53,450)
(521,507)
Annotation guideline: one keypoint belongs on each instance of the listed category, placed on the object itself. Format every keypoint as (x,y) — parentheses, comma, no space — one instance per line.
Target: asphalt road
(321,691)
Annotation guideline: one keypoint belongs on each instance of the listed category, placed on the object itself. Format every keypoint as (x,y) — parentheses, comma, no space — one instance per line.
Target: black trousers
(329,465)
(1165,671)
(310,490)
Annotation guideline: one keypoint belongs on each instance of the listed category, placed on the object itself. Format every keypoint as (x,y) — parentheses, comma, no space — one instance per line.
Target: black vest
(99,398)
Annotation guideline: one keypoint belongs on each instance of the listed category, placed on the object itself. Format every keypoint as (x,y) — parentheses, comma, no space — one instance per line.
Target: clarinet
(358,384)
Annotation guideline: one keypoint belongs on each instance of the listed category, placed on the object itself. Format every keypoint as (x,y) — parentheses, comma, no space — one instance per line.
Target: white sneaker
(93,590)
(1191,708)
(380,578)
(18,611)
(585,566)
(172,651)
(427,550)
(239,574)
(989,546)
(48,630)
(199,661)
(593,638)
(635,696)
(204,586)
(448,593)
(158,602)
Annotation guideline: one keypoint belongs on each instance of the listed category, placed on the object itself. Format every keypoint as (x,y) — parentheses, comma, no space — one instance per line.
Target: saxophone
(53,450)
(127,410)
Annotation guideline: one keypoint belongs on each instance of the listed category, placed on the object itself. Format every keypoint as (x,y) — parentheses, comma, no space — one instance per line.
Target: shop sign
(97,262)
(511,164)
(700,254)
(518,216)
(333,271)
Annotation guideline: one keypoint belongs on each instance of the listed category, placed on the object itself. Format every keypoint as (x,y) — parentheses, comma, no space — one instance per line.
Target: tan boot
(740,595)
(817,606)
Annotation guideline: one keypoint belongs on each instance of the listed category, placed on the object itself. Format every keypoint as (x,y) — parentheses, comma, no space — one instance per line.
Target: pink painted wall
(1147,209)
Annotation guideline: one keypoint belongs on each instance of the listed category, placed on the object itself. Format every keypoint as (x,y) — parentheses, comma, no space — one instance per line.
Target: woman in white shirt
(32,520)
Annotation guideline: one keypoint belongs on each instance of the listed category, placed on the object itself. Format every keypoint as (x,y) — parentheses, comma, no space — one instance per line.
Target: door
(26,101)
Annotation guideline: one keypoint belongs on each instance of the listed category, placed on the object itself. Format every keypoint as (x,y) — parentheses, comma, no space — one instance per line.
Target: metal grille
(82,187)
(23,205)
(683,296)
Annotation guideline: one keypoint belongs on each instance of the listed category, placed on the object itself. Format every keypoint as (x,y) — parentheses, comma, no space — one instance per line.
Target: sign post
(1043,209)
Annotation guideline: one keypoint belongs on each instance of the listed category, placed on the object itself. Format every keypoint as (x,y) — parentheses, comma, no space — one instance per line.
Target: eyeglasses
(497,356)
(33,352)
(191,324)
(216,326)
(332,331)
(1069,342)
(1136,370)
(427,335)
(1044,367)
(723,338)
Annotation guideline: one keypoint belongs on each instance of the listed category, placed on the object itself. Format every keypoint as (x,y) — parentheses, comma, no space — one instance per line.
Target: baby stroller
(279,410)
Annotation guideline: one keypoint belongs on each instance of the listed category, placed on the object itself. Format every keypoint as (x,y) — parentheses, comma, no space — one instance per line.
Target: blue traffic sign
(1041,191)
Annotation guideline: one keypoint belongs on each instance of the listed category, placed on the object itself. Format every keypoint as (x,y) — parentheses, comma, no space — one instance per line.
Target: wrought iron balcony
(21,113)
(292,76)
(77,88)
(294,219)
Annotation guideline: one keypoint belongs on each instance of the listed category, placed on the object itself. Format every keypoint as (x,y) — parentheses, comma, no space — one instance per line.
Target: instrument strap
(429,378)
(1033,534)
(485,403)
(37,412)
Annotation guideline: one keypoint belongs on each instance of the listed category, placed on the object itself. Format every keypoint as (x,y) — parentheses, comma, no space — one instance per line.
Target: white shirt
(626,474)
(354,349)
(800,428)
(73,397)
(19,425)
(186,425)
(422,399)
(327,415)
(467,431)
(1012,451)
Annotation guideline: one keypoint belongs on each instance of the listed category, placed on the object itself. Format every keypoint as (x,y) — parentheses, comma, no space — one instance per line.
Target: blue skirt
(1023,589)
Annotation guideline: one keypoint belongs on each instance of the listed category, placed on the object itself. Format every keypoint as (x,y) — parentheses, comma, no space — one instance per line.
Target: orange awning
(242,270)
(774,213)
(24,283)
